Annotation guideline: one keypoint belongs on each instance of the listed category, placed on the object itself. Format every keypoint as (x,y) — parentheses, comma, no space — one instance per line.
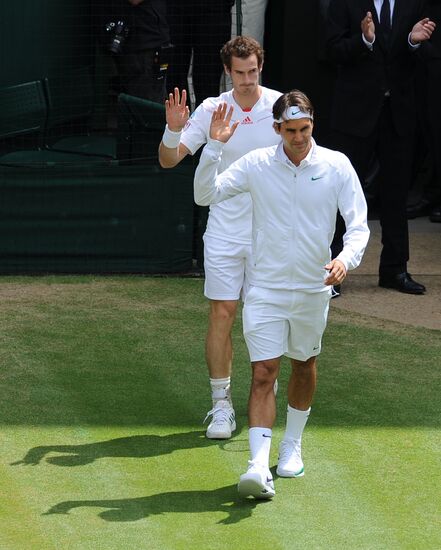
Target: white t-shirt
(231,219)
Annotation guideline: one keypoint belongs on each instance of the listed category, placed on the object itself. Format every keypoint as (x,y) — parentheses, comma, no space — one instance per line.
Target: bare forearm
(168,158)
(171,150)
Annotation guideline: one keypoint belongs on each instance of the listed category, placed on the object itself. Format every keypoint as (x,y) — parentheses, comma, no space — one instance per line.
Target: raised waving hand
(221,128)
(176,110)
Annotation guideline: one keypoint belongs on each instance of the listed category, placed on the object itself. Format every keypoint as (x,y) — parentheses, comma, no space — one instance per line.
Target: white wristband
(171,139)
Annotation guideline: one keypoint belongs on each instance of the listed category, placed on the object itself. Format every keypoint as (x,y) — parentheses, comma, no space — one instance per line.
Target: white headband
(293,113)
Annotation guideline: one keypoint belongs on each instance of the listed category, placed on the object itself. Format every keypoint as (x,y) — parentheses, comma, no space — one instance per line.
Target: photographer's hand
(176,110)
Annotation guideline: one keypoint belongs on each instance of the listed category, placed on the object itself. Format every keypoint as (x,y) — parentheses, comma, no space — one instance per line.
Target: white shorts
(284,322)
(225,265)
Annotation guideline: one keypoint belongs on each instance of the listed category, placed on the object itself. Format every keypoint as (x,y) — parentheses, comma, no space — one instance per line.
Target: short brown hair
(291,99)
(242,47)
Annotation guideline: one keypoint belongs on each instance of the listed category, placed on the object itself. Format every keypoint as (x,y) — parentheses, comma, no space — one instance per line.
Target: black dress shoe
(435,215)
(402,282)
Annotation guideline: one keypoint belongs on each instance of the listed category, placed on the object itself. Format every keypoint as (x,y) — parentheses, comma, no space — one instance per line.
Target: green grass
(103,388)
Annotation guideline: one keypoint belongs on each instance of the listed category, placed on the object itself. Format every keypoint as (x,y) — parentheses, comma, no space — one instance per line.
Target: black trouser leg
(360,152)
(395,157)
(214,30)
(179,17)
(139,76)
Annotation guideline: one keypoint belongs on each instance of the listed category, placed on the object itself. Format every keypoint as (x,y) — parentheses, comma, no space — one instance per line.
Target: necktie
(385,21)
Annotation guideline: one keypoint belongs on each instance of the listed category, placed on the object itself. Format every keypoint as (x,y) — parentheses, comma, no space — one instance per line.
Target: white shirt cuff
(370,45)
(215,145)
(413,46)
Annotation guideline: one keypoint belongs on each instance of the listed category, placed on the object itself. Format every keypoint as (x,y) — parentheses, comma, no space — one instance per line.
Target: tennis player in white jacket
(296,188)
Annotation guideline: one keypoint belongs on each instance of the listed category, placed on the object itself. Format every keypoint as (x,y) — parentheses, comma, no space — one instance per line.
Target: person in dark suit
(432,55)
(429,93)
(374,45)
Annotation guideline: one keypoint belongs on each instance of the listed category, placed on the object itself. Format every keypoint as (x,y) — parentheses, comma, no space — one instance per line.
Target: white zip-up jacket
(294,211)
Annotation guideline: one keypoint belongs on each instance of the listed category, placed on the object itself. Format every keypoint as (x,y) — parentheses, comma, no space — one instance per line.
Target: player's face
(245,74)
(296,136)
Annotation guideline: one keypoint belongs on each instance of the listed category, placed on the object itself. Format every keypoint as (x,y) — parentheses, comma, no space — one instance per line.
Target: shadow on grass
(225,500)
(138,446)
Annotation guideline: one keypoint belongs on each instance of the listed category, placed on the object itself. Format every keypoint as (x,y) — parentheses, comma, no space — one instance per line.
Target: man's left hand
(220,127)
(422,31)
(337,272)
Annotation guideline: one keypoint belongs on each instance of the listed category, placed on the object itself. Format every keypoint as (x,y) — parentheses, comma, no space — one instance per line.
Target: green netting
(81,189)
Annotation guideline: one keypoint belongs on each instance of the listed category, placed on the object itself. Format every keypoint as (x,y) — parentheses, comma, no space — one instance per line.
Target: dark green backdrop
(116,219)
(87,217)
(44,38)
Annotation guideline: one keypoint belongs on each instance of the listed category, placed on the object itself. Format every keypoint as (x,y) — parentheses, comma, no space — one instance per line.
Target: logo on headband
(294,113)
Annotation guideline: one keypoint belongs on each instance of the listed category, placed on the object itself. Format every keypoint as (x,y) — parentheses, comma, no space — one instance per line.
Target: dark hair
(242,47)
(291,99)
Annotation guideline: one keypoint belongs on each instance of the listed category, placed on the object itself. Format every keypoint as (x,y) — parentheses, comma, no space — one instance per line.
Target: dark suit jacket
(364,76)
(432,51)
(431,56)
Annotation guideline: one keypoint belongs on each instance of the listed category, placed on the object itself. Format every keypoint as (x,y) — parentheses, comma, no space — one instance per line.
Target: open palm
(221,128)
(176,110)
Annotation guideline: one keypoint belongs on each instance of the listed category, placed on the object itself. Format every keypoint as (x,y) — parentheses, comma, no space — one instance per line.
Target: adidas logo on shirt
(247,120)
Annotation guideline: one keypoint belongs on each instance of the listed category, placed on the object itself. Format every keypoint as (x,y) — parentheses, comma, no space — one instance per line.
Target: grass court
(103,389)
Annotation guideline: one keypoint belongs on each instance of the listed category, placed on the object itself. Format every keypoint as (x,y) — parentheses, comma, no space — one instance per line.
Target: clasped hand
(421,31)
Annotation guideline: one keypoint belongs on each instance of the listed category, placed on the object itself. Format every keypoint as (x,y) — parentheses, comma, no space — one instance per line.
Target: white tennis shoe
(290,459)
(257,482)
(223,421)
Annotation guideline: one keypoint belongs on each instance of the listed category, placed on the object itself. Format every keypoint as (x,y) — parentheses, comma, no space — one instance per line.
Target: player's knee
(264,375)
(303,366)
(223,311)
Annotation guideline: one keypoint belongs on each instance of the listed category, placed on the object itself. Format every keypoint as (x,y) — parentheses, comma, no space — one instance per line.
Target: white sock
(260,445)
(295,423)
(220,389)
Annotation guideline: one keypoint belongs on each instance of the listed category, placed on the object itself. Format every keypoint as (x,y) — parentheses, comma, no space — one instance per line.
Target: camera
(118,32)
